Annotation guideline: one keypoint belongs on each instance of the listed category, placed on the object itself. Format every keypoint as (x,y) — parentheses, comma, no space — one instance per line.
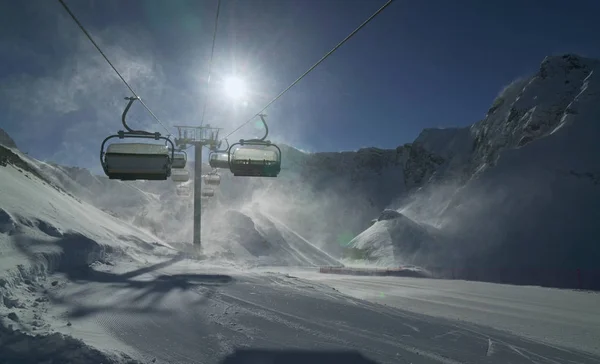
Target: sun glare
(234,87)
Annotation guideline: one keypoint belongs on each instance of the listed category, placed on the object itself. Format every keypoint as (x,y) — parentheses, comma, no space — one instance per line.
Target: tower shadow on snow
(79,252)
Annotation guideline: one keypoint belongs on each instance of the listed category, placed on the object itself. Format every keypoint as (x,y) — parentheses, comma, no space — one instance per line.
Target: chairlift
(219,158)
(207,192)
(255,157)
(212,179)
(183,191)
(180,175)
(136,161)
(180,159)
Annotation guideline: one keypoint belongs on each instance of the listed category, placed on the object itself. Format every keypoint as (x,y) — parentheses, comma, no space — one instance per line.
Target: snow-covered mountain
(530,214)
(244,235)
(45,229)
(510,198)
(465,197)
(395,239)
(5,139)
(516,195)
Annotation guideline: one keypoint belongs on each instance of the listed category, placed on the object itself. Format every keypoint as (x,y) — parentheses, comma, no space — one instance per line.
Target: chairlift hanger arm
(226,150)
(262,118)
(124,118)
(259,140)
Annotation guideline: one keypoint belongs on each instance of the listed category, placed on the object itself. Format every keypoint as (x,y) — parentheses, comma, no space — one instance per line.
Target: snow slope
(538,206)
(44,229)
(138,202)
(190,312)
(564,318)
(526,209)
(252,238)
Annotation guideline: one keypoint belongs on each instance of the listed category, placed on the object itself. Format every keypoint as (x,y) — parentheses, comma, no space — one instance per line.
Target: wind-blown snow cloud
(79,98)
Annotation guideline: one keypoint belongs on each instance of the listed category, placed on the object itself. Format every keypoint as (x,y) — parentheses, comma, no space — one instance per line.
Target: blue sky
(429,63)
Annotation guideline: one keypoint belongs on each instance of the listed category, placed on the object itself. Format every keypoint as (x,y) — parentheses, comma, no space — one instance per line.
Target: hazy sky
(426,63)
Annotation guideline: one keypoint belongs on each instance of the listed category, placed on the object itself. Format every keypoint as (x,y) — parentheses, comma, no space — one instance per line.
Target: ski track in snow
(557,317)
(188,312)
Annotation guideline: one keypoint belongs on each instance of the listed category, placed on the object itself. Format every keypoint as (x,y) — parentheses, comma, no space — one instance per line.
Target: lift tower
(198,136)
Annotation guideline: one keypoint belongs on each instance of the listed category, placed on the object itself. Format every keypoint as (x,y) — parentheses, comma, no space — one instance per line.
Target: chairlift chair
(207,192)
(180,159)
(183,191)
(180,175)
(255,157)
(212,179)
(136,161)
(219,158)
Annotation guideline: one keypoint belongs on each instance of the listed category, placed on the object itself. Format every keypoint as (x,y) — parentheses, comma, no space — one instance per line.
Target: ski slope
(565,318)
(71,269)
(190,312)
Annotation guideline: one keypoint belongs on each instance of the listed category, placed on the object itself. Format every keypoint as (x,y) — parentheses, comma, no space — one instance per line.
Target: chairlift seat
(179,161)
(180,175)
(219,160)
(207,192)
(137,161)
(183,191)
(255,161)
(212,179)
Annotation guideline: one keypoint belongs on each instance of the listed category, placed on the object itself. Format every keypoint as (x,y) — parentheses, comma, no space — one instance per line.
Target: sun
(234,87)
